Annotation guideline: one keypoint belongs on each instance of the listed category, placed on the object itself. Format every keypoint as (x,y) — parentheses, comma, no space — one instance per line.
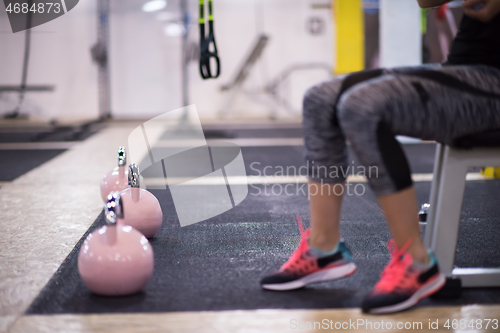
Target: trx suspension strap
(205,53)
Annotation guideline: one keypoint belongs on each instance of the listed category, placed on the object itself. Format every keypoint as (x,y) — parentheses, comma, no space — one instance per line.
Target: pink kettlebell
(116,259)
(116,179)
(142,209)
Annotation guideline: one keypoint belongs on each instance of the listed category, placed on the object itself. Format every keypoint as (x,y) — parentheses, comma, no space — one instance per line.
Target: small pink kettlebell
(116,179)
(142,209)
(116,259)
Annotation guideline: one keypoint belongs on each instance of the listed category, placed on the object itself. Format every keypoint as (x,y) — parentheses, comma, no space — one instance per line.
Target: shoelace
(392,274)
(304,234)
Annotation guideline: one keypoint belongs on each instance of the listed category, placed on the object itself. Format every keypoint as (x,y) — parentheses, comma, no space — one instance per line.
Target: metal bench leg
(448,208)
(443,219)
(436,179)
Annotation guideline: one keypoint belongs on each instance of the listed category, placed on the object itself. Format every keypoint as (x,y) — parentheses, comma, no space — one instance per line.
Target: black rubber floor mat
(15,163)
(217,264)
(253,133)
(48,134)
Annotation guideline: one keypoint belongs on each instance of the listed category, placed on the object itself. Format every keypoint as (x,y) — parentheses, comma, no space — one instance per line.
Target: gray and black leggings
(369,108)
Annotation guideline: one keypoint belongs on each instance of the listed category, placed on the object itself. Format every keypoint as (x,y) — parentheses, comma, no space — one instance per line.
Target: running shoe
(305,267)
(403,283)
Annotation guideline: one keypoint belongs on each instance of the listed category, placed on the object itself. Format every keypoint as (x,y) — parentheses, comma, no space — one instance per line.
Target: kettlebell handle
(134,176)
(122,156)
(113,209)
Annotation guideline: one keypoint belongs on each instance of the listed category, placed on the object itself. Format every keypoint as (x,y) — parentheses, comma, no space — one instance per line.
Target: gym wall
(145,63)
(59,56)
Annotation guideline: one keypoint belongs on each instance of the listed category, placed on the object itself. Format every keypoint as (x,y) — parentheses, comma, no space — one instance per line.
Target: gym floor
(206,275)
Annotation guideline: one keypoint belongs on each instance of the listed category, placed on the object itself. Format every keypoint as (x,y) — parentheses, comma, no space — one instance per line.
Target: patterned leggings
(369,108)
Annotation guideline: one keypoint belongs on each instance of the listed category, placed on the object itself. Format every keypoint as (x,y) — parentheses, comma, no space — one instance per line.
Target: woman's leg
(401,213)
(325,149)
(320,255)
(325,206)
(439,104)
(434,104)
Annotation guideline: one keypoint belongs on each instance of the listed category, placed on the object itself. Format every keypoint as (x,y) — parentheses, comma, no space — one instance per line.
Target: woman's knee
(354,111)
(321,97)
(366,101)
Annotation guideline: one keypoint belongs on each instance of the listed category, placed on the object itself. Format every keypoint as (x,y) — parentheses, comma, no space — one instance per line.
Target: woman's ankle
(323,243)
(419,253)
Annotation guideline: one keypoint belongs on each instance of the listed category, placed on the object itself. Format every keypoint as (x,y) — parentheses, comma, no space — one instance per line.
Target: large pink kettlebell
(116,259)
(142,209)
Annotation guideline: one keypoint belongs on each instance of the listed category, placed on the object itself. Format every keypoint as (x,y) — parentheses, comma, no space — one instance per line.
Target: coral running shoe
(304,267)
(403,283)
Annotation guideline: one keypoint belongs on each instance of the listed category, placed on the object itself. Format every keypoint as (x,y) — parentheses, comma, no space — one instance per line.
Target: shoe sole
(321,276)
(420,294)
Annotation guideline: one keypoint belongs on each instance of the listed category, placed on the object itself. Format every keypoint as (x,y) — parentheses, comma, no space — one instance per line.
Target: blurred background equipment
(208,46)
(316,25)
(23,88)
(100,56)
(235,86)
(276,87)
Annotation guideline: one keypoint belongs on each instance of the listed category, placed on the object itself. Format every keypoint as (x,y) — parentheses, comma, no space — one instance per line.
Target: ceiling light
(173,30)
(154,5)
